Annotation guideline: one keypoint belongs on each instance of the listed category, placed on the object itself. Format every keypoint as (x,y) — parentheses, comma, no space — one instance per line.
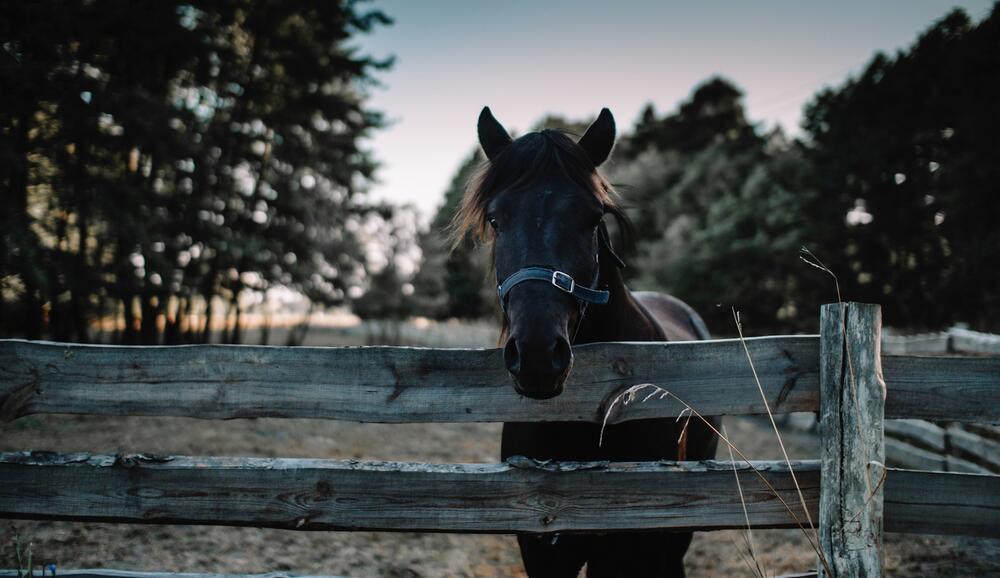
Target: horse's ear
(492,135)
(599,138)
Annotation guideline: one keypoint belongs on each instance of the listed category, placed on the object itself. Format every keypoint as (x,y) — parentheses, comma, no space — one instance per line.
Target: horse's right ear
(492,135)
(599,138)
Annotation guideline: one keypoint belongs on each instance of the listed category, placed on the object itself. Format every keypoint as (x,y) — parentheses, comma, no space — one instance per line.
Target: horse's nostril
(562,356)
(511,357)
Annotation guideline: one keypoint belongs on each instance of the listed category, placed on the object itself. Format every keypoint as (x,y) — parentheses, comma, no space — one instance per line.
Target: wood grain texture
(957,464)
(964,340)
(965,389)
(397,384)
(109,573)
(904,455)
(974,447)
(942,503)
(400,385)
(852,397)
(521,495)
(302,494)
(926,343)
(918,432)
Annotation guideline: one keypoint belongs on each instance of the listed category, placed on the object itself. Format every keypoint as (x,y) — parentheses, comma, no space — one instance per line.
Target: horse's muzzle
(538,393)
(539,371)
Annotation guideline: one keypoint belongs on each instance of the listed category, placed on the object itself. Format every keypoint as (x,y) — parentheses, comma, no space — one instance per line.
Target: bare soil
(362,554)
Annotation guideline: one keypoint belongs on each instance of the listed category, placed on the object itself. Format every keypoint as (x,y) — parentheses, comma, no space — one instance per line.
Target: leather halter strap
(564,281)
(557,278)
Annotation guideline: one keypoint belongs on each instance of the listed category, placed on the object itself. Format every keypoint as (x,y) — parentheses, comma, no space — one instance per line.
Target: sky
(526,59)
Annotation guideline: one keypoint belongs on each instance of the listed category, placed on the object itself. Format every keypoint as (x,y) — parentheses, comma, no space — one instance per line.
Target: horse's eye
(493,223)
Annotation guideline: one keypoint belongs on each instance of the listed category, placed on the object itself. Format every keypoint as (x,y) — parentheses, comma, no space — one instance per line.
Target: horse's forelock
(521,164)
(524,162)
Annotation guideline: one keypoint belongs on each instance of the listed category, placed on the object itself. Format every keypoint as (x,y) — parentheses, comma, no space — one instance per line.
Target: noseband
(557,278)
(563,281)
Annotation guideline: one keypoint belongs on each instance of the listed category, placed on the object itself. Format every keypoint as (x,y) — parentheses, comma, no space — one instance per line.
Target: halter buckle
(563,281)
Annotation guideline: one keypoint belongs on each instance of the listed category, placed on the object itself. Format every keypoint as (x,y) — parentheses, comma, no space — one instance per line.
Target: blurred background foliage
(164,158)
(894,184)
(167,164)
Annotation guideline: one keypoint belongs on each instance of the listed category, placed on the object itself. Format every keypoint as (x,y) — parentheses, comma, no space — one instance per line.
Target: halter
(564,281)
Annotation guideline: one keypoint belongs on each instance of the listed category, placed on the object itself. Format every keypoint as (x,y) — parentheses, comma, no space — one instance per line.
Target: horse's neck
(621,319)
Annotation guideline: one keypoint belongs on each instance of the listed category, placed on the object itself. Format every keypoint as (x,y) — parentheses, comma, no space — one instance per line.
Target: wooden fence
(942,445)
(840,373)
(933,445)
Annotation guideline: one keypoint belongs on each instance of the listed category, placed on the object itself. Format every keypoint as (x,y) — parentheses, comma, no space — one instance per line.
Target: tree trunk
(130,336)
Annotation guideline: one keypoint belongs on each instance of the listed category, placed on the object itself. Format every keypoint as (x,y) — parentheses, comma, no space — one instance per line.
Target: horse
(540,202)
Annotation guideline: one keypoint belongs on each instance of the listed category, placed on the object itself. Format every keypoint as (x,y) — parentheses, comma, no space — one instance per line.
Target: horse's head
(541,201)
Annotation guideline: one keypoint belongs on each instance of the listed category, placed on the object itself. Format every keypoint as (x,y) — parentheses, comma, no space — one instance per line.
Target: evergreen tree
(908,151)
(165,157)
(718,211)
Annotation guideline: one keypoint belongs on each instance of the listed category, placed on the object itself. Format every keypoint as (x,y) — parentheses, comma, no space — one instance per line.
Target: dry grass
(628,396)
(808,529)
(751,558)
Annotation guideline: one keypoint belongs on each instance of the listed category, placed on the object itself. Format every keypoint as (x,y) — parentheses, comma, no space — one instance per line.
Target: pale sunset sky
(526,59)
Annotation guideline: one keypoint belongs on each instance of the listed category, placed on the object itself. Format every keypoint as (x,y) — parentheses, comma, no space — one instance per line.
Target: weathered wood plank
(520,495)
(109,573)
(923,434)
(938,343)
(852,398)
(981,450)
(964,340)
(942,503)
(390,384)
(396,384)
(323,494)
(963,389)
(987,431)
(957,464)
(903,455)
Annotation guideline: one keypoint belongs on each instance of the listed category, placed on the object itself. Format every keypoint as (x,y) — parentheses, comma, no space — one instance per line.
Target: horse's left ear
(493,136)
(599,138)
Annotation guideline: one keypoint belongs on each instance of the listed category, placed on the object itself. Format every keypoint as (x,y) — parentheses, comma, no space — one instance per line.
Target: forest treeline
(894,183)
(161,159)
(164,164)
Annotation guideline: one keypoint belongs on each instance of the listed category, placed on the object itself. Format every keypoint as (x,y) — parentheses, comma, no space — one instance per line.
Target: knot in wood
(621,367)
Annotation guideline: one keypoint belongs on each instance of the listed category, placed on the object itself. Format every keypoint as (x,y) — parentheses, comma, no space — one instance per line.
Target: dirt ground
(363,554)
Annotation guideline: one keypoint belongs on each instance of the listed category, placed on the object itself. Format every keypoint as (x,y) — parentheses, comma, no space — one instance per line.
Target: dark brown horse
(541,202)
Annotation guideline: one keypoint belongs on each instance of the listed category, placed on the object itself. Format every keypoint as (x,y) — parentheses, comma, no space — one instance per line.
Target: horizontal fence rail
(965,389)
(919,444)
(399,384)
(108,573)
(105,573)
(307,494)
(518,495)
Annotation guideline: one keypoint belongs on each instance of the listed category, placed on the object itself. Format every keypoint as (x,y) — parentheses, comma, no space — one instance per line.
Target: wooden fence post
(852,407)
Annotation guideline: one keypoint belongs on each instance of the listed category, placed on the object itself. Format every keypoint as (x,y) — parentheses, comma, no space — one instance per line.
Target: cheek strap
(558,279)
(565,282)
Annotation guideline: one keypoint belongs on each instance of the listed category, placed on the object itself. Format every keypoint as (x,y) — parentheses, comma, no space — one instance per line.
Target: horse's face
(552,224)
(554,227)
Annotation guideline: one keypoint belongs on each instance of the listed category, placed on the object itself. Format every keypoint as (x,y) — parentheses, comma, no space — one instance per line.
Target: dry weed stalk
(756,568)
(629,395)
(770,416)
(811,259)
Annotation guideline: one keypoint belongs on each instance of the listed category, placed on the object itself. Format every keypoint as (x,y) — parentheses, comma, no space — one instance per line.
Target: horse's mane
(523,163)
